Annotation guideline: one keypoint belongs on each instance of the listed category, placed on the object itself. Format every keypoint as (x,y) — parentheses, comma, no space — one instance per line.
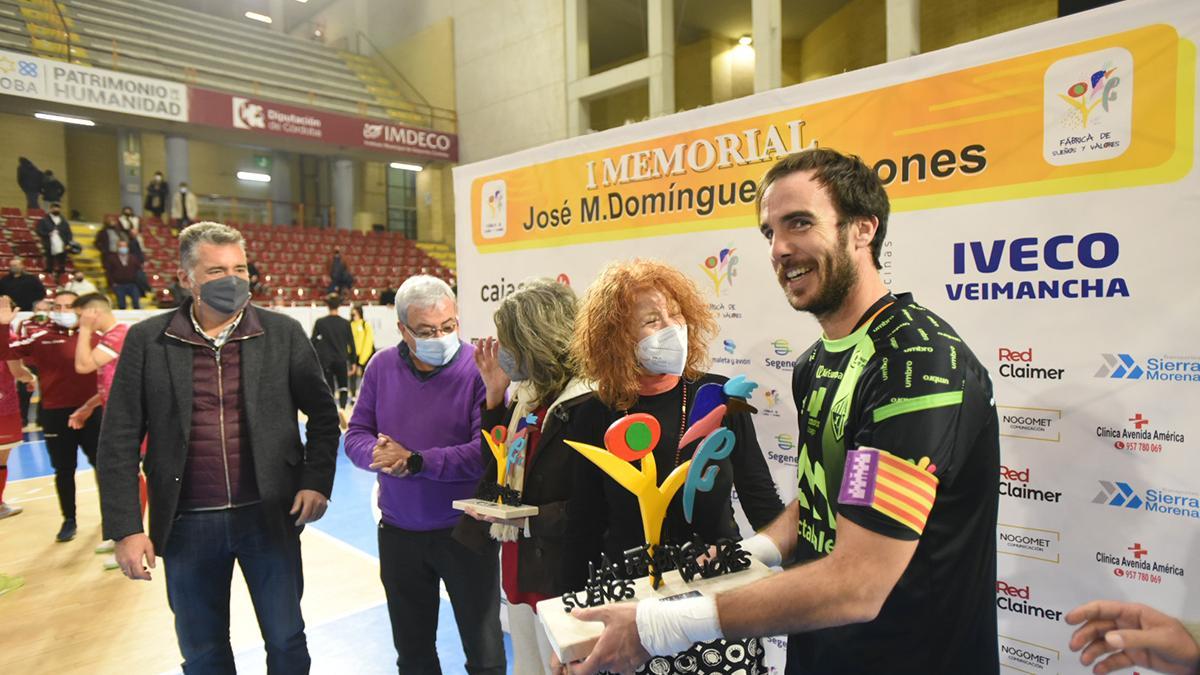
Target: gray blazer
(152,395)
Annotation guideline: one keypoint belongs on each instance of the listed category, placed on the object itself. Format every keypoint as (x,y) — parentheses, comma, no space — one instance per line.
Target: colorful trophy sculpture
(498,500)
(656,569)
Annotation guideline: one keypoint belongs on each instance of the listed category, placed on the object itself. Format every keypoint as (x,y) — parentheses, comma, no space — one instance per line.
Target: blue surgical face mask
(511,366)
(664,352)
(437,351)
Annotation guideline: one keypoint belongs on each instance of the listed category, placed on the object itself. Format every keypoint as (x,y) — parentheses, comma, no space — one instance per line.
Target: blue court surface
(359,642)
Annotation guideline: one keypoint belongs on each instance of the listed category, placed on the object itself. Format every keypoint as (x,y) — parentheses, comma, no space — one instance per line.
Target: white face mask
(437,351)
(65,319)
(665,352)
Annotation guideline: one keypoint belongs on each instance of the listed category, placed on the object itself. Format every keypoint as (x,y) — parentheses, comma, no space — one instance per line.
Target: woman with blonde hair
(642,336)
(534,326)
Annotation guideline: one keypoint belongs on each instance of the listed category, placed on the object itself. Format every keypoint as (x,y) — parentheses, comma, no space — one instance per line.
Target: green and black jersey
(906,385)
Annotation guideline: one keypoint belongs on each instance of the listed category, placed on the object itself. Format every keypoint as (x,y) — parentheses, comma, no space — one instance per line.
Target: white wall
(508,57)
(511,78)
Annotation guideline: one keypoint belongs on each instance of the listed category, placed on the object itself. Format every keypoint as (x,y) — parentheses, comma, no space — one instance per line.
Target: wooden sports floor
(72,616)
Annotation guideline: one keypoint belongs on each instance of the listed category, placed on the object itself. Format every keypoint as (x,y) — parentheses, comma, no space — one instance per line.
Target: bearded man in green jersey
(890,544)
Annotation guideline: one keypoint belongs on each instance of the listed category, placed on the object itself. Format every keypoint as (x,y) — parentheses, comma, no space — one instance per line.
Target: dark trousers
(25,396)
(61,443)
(336,376)
(132,291)
(410,565)
(198,561)
(31,200)
(56,264)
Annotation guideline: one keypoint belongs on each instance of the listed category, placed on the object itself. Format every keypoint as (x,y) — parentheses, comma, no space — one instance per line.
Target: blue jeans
(131,290)
(198,561)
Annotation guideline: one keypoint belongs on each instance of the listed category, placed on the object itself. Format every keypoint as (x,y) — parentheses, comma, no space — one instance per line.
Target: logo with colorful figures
(493,200)
(1088,107)
(1098,89)
(721,269)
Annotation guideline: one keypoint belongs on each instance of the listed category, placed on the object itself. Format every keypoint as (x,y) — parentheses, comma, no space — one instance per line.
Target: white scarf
(522,396)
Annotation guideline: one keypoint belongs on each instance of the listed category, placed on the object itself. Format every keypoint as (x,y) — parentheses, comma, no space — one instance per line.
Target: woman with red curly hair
(642,335)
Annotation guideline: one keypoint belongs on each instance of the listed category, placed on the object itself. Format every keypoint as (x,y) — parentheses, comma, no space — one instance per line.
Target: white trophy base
(495,509)
(573,639)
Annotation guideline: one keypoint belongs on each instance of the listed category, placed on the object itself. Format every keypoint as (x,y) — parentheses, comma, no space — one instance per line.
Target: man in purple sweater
(417,425)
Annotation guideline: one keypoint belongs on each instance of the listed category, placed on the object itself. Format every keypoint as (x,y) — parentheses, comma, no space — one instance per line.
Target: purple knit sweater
(439,418)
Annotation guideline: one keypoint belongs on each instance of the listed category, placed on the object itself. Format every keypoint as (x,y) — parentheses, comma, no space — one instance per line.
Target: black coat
(29,177)
(604,518)
(24,290)
(53,189)
(156,196)
(46,225)
(152,395)
(540,557)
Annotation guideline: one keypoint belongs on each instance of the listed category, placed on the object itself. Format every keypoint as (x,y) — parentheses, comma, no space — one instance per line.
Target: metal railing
(232,209)
(424,107)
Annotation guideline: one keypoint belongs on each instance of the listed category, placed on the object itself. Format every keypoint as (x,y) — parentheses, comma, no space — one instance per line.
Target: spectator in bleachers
(179,292)
(388,297)
(24,289)
(340,277)
(52,188)
(334,341)
(156,195)
(123,268)
(131,224)
(30,180)
(256,279)
(109,236)
(184,207)
(79,284)
(56,236)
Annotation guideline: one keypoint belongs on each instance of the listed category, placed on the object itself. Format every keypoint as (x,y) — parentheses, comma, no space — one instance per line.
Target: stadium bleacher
(293,261)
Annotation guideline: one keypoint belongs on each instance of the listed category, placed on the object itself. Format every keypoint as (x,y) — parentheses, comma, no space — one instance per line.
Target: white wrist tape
(671,626)
(763,549)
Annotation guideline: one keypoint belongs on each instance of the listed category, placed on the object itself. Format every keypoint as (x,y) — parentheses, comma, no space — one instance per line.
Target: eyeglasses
(429,333)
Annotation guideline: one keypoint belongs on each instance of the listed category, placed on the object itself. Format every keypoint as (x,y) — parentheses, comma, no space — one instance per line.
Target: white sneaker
(106,546)
(6,510)
(111,563)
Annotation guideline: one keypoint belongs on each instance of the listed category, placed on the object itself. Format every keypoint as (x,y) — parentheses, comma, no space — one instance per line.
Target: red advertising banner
(227,111)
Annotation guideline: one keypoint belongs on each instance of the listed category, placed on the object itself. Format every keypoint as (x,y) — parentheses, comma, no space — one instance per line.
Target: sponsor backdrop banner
(71,84)
(1043,193)
(227,111)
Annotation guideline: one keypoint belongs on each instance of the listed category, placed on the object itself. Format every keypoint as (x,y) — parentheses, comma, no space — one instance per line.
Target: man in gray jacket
(215,386)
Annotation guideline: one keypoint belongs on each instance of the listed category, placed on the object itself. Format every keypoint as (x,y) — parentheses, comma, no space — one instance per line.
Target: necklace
(682,421)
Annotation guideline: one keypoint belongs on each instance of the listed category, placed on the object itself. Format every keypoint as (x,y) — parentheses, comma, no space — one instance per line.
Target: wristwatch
(415,463)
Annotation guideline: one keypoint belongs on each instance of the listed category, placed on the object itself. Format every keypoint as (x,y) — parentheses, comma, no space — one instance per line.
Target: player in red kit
(69,400)
(10,417)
